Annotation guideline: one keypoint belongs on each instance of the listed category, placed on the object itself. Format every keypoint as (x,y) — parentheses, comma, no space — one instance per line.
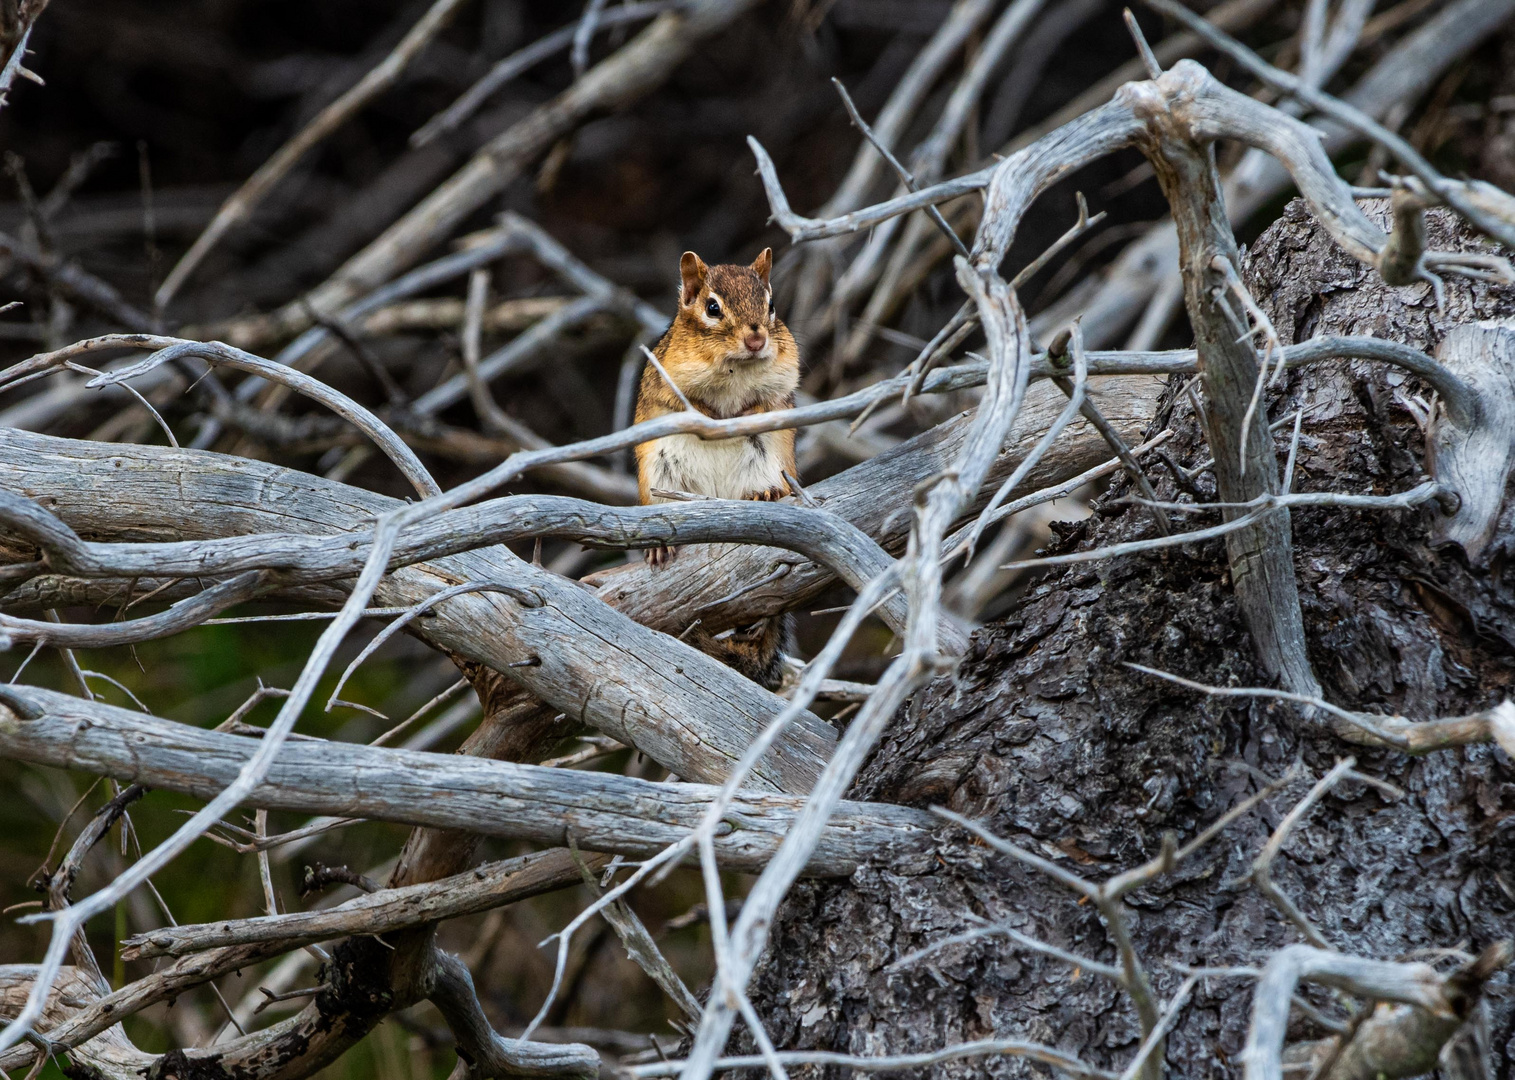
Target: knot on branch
(1464,986)
(358,982)
(178,1065)
(1474,455)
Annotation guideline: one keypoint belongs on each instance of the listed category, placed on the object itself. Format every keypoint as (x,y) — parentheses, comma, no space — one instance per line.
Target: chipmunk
(730,355)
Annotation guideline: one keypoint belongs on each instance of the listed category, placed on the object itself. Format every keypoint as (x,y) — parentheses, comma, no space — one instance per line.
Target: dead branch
(1477,459)
(109,1051)
(522,60)
(485,1052)
(603,811)
(1401,76)
(816,534)
(1255,511)
(78,283)
(204,530)
(218,355)
(17,17)
(1402,1043)
(1492,725)
(1261,556)
(656,716)
(1343,113)
(638,943)
(445,313)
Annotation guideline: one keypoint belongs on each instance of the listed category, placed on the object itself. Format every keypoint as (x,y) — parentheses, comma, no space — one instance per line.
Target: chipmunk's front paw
(773,494)
(660,556)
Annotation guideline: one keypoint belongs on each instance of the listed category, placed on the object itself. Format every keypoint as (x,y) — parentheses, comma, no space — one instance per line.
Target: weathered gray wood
(165,984)
(109,1055)
(876,497)
(489,885)
(1437,1008)
(683,709)
(1181,149)
(601,811)
(1477,460)
(484,1051)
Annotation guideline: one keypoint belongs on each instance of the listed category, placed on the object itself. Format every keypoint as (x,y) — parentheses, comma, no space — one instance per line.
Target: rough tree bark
(1054,744)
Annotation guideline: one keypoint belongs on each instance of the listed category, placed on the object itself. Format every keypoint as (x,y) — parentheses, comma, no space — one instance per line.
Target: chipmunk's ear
(763,264)
(692,271)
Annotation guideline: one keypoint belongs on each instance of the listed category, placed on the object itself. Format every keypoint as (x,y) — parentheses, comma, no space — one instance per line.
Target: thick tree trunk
(1046,736)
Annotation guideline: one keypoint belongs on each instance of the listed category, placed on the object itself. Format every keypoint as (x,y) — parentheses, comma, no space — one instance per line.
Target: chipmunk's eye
(770,303)
(712,308)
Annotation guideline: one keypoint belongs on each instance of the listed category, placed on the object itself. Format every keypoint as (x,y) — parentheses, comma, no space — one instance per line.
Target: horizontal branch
(1417,737)
(1256,509)
(846,550)
(489,885)
(685,710)
(187,614)
(601,811)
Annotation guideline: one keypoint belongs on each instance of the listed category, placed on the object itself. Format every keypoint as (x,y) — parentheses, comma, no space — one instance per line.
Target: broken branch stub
(1476,460)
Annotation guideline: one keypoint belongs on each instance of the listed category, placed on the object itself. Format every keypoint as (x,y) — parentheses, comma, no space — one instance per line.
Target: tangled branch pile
(393,434)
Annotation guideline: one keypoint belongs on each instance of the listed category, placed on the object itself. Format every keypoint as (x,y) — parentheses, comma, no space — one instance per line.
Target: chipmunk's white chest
(719,468)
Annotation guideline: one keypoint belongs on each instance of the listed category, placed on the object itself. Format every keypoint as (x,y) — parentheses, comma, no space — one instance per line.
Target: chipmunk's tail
(756,650)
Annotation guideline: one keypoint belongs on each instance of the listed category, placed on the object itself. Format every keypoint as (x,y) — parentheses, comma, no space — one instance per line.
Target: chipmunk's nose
(755,339)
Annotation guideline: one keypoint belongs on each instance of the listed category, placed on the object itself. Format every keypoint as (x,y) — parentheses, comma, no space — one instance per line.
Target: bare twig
(1493,725)
(643,951)
(1262,866)
(904,174)
(1422,493)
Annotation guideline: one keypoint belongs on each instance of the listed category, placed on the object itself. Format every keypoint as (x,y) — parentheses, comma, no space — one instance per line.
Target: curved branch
(218,354)
(820,536)
(450,987)
(686,710)
(1342,113)
(184,615)
(1438,1005)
